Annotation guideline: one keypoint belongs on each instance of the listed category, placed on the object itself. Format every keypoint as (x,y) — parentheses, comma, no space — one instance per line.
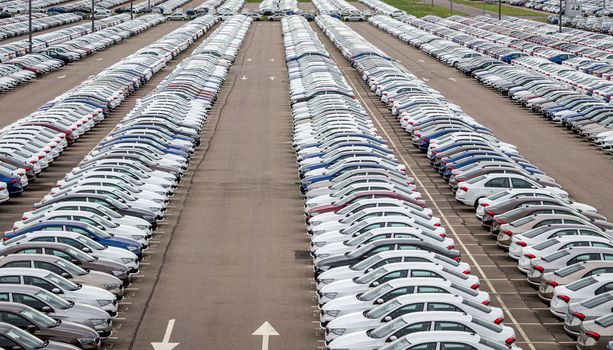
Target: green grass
(419,9)
(506,9)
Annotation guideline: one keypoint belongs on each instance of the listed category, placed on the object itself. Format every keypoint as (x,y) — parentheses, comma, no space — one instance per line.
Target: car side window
(398,292)
(39,282)
(456,346)
(500,182)
(548,222)
(607,257)
(43,239)
(391,276)
(604,288)
(30,251)
(520,183)
(589,233)
(58,253)
(385,262)
(7,343)
(407,247)
(428,346)
(424,273)
(18,264)
(47,266)
(443,307)
(70,242)
(576,244)
(413,328)
(584,257)
(14,319)
(28,300)
(601,245)
(430,289)
(79,230)
(450,326)
(52,228)
(4,296)
(379,250)
(562,233)
(10,280)
(599,271)
(407,309)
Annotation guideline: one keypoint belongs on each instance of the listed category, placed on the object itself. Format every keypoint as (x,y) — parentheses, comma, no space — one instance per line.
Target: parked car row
(146,5)
(565,96)
(21,6)
(208,6)
(21,70)
(269,7)
(383,8)
(587,7)
(592,23)
(29,145)
(230,8)
(39,22)
(64,266)
(336,8)
(525,210)
(387,275)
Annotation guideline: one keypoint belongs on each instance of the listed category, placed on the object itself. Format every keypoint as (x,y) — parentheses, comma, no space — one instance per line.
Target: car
(12,337)
(571,273)
(579,290)
(47,328)
(596,334)
(589,309)
(178,15)
(565,257)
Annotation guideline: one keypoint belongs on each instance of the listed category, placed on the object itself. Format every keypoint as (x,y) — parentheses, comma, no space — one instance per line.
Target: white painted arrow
(265,330)
(452,79)
(244,77)
(165,345)
(271,78)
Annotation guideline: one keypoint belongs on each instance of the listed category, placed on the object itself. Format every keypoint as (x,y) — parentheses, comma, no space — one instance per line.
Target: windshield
(383,309)
(61,282)
(80,255)
(103,222)
(70,267)
(108,212)
(483,308)
(37,317)
(388,328)
(24,338)
(53,299)
(364,264)
(371,276)
(375,292)
(86,241)
(605,321)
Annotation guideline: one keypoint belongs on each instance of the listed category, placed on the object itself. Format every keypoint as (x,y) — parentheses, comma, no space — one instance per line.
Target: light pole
(30,25)
(499,10)
(93,25)
(131,10)
(484,3)
(560,17)
(450,6)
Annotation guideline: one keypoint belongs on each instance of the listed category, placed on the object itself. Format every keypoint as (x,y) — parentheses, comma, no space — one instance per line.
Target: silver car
(587,310)
(596,334)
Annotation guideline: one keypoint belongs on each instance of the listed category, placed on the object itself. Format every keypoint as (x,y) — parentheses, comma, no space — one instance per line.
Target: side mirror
(75,261)
(56,291)
(16,347)
(46,309)
(86,249)
(380,301)
(66,275)
(31,328)
(387,318)
(393,337)
(369,269)
(375,283)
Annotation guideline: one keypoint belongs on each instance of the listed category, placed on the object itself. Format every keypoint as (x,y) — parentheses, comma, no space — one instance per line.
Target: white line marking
(62,76)
(452,79)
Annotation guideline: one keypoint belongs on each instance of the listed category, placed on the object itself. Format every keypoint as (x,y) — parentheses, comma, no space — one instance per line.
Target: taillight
(485,302)
(507,232)
(438,225)
(499,320)
(553,283)
(500,221)
(457,258)
(539,268)
(466,272)
(485,204)
(451,246)
(521,244)
(579,315)
(530,256)
(442,235)
(475,286)
(13,181)
(5,238)
(593,335)
(464,188)
(491,213)
(32,162)
(461,180)
(564,298)
(510,341)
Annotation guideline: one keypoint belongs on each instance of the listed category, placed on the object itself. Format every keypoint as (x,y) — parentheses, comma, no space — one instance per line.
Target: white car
(388,272)
(579,290)
(404,304)
(421,322)
(471,191)
(587,310)
(392,289)
(445,340)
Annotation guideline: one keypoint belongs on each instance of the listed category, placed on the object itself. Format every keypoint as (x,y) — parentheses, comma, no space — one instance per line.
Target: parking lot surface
(239,247)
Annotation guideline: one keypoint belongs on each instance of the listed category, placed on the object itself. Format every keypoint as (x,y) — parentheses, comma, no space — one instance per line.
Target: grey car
(565,257)
(596,334)
(71,254)
(587,310)
(12,337)
(571,273)
(65,269)
(56,307)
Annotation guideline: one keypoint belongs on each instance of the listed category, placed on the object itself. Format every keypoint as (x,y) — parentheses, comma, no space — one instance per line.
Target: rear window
(546,244)
(489,325)
(447,260)
(522,221)
(483,308)
(455,273)
(605,321)
(468,291)
(492,344)
(555,256)
(498,195)
(580,284)
(475,179)
(568,270)
(598,300)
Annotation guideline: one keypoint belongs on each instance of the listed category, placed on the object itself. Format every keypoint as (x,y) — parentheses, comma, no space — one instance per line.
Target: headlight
(97,321)
(158,200)
(326,281)
(318,232)
(132,248)
(153,209)
(330,295)
(86,341)
(321,256)
(143,227)
(137,237)
(104,302)
(315,223)
(338,331)
(332,313)
(117,272)
(127,260)
(319,244)
(111,285)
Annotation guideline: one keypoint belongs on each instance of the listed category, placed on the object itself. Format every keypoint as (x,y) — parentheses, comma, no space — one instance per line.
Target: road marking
(99,59)
(244,77)
(272,60)
(422,61)
(425,79)
(62,76)
(165,345)
(249,60)
(265,330)
(452,79)
(435,204)
(271,78)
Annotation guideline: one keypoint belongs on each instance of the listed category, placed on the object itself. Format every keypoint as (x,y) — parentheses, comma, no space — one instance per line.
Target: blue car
(84,229)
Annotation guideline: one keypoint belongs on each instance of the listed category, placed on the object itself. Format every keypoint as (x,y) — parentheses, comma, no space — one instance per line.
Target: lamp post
(131,9)
(30,25)
(560,18)
(499,10)
(93,25)
(450,6)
